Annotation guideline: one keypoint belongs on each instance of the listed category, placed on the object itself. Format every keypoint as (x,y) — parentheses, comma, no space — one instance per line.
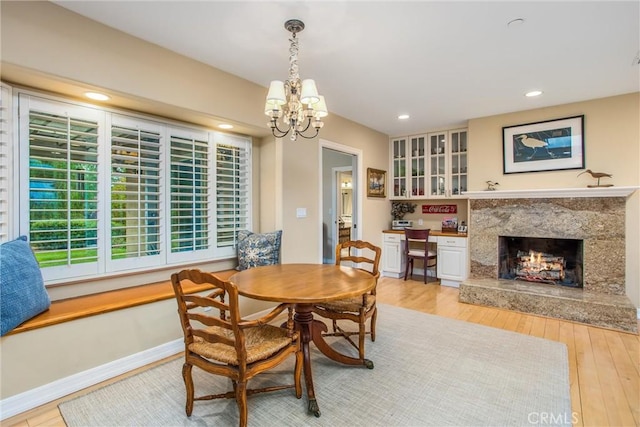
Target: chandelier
(296,103)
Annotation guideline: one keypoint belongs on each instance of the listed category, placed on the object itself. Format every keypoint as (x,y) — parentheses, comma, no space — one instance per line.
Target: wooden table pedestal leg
(305,324)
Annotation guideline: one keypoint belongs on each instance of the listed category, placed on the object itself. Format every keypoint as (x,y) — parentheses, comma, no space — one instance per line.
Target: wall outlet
(420,222)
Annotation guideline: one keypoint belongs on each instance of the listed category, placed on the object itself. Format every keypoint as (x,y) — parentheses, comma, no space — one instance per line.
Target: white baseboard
(22,402)
(33,398)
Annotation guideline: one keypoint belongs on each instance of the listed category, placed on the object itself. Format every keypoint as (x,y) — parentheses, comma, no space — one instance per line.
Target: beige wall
(612,145)
(301,240)
(611,137)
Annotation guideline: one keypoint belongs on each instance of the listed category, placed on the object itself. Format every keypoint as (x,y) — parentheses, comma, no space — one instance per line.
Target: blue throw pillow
(23,294)
(256,249)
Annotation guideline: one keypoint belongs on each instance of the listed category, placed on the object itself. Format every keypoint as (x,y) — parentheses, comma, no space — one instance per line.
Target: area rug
(429,371)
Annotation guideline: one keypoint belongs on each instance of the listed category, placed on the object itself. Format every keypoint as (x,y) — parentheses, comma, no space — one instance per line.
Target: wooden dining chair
(366,256)
(416,247)
(220,342)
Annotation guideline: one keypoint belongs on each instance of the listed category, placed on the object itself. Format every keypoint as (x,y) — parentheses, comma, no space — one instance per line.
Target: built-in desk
(452,250)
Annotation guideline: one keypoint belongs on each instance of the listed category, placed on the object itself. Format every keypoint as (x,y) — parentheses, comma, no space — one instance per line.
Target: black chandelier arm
(274,128)
(282,133)
(310,136)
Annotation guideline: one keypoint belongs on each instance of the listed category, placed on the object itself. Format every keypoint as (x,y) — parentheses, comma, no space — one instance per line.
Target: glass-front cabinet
(458,161)
(399,167)
(437,164)
(417,165)
(430,165)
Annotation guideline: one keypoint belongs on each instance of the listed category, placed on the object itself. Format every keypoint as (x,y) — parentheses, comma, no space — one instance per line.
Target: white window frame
(7,192)
(209,252)
(105,266)
(147,261)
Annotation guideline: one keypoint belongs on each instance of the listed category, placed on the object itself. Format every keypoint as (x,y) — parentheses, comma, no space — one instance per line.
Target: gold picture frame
(376,183)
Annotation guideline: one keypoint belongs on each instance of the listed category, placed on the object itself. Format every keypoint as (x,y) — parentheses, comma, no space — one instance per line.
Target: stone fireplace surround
(594,215)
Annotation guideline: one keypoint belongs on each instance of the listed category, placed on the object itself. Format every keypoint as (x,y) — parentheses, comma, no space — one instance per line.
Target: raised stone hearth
(597,218)
(608,311)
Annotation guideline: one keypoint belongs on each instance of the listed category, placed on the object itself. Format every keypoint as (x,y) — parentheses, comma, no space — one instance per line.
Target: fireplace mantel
(547,193)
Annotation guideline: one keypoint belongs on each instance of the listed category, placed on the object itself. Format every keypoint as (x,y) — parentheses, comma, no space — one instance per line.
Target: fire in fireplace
(544,260)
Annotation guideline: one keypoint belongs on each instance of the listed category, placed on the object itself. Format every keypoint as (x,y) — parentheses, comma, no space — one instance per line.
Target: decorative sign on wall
(439,209)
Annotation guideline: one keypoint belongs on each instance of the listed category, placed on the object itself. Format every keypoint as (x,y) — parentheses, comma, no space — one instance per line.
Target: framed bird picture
(544,146)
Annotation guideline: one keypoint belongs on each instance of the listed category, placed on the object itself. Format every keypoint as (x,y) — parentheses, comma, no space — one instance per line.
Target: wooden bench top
(104,302)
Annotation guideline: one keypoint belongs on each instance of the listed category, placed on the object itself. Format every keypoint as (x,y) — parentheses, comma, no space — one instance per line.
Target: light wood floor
(604,365)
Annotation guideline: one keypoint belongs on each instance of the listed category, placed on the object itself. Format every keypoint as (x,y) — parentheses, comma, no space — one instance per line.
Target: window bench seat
(90,305)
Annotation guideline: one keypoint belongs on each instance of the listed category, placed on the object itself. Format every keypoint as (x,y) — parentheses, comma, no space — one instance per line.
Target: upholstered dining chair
(221,343)
(416,246)
(366,256)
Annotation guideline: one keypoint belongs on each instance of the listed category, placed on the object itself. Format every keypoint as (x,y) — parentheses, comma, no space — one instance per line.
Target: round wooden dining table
(305,285)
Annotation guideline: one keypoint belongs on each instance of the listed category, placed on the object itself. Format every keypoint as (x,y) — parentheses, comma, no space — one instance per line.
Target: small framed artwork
(544,146)
(376,183)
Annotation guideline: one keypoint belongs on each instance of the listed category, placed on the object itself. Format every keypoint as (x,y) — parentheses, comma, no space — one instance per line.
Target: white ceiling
(441,62)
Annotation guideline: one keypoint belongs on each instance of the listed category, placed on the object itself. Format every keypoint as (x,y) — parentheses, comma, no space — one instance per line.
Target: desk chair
(416,246)
(220,342)
(356,309)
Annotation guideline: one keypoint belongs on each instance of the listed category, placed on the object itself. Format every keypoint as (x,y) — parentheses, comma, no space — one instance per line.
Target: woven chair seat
(261,342)
(352,304)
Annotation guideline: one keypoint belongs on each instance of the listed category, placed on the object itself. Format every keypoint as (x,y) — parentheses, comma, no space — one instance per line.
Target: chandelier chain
(293,59)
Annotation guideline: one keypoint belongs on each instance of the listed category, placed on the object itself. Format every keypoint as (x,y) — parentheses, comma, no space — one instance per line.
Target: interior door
(338,167)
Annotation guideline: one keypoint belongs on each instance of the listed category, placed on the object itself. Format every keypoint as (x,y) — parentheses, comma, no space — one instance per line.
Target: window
(232,189)
(191,208)
(136,211)
(104,192)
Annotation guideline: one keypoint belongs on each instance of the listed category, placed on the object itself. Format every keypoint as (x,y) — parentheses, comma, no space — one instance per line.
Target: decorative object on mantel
(491,186)
(399,209)
(544,146)
(597,175)
(298,103)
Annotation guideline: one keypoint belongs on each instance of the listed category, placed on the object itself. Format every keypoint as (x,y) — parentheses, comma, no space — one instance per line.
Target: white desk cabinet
(452,257)
(452,260)
(393,262)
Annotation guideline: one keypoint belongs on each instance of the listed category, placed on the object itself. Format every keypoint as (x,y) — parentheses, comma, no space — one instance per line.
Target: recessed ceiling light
(225,126)
(403,117)
(96,96)
(533,93)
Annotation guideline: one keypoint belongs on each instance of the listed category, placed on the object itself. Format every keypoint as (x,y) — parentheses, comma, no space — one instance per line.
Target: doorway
(340,197)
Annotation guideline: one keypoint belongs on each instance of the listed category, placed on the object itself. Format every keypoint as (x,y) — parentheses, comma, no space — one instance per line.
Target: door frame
(358,188)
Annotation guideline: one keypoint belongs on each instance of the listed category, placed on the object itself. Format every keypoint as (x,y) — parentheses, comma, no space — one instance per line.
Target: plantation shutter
(63,186)
(136,211)
(5,161)
(191,218)
(233,195)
